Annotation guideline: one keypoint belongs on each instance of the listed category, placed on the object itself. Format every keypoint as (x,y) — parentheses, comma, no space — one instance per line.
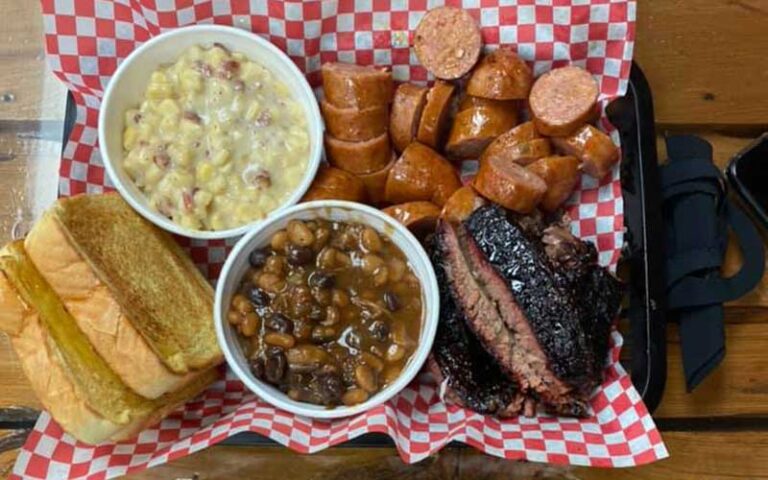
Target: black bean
(316,313)
(322,280)
(258,297)
(392,301)
(258,258)
(275,367)
(379,330)
(353,339)
(329,388)
(257,367)
(279,323)
(299,255)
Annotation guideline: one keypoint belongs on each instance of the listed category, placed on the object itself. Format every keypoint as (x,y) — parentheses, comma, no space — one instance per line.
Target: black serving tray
(642,256)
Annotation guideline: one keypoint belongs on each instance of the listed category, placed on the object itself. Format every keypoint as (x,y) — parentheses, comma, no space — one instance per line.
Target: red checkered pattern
(85,40)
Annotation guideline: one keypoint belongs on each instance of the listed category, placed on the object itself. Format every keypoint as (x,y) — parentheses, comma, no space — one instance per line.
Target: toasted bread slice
(96,312)
(71,380)
(151,279)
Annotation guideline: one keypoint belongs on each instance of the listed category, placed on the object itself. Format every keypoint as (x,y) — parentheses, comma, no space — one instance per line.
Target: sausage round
(421,174)
(419,217)
(560,173)
(476,127)
(594,148)
(355,86)
(334,184)
(354,124)
(434,117)
(468,101)
(376,182)
(509,184)
(462,203)
(501,75)
(562,100)
(447,42)
(359,157)
(406,112)
(521,133)
(528,152)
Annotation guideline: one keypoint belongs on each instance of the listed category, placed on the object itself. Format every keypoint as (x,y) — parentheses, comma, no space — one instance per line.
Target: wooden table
(708,70)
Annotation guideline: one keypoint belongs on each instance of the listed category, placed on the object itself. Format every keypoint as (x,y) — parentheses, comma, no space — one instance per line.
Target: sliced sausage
(509,184)
(434,117)
(521,133)
(560,173)
(528,152)
(419,217)
(476,127)
(593,147)
(359,157)
(406,112)
(447,42)
(334,184)
(354,86)
(468,101)
(354,124)
(421,174)
(501,75)
(376,182)
(462,203)
(562,100)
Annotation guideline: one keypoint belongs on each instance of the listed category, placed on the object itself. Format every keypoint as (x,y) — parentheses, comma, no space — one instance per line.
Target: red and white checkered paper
(86,39)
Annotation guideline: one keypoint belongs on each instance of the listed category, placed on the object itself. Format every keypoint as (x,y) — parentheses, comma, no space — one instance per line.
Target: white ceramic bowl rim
(314,122)
(431,306)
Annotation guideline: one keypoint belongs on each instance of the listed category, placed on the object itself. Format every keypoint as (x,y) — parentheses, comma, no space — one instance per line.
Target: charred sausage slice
(421,174)
(406,112)
(447,42)
(562,100)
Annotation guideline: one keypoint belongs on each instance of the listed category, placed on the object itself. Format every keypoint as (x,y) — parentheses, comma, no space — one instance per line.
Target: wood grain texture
(739,386)
(705,60)
(28,90)
(694,456)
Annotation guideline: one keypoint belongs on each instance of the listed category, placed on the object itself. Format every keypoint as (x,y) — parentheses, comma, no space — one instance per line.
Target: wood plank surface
(28,90)
(705,60)
(694,456)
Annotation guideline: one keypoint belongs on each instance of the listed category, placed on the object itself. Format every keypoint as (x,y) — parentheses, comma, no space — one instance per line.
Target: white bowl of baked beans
(327,309)
(207,130)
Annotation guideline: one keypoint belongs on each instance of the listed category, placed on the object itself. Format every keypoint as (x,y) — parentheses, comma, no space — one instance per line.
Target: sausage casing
(421,174)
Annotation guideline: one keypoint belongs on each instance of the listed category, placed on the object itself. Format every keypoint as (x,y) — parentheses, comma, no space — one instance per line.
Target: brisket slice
(550,310)
(467,373)
(599,292)
(491,312)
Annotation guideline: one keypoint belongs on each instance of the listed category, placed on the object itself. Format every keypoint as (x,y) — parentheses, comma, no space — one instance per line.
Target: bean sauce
(329,312)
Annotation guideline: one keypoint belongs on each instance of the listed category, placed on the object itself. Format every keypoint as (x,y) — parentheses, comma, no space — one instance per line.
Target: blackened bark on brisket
(599,293)
(472,374)
(493,315)
(551,312)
